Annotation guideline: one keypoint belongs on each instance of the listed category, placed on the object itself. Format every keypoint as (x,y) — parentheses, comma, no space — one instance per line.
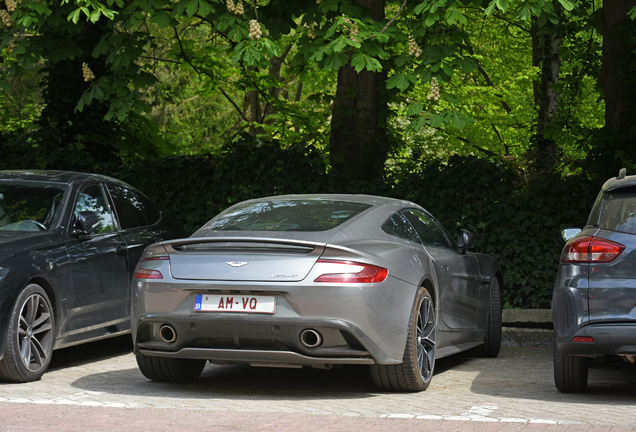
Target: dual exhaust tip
(309,337)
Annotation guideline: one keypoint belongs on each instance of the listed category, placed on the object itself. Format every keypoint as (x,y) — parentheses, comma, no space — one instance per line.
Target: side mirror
(465,240)
(568,233)
(86,223)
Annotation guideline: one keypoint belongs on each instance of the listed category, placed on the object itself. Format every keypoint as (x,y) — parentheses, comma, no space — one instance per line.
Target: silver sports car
(320,281)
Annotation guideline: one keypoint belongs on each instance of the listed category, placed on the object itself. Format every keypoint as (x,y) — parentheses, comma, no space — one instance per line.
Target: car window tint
(92,198)
(429,230)
(619,211)
(398,226)
(288,215)
(29,207)
(133,209)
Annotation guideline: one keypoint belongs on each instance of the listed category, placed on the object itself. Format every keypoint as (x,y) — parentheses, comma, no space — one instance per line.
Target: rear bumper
(231,339)
(609,339)
(258,357)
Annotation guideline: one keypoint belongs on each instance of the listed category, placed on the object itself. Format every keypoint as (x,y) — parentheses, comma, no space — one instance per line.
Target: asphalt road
(98,387)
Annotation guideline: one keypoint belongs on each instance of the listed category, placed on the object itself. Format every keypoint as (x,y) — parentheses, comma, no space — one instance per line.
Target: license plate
(234,303)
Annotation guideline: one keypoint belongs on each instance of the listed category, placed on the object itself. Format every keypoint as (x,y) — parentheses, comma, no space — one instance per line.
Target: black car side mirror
(568,233)
(86,223)
(465,240)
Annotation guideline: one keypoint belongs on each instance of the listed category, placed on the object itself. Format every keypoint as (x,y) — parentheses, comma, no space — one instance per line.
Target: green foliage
(341,32)
(20,151)
(189,65)
(21,105)
(192,189)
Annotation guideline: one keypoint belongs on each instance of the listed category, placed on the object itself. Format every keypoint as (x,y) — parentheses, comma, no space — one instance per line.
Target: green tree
(389,57)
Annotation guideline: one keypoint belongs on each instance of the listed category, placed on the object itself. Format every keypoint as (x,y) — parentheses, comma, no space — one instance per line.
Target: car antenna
(622,173)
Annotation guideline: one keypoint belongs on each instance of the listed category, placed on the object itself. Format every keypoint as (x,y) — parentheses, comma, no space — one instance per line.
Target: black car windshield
(619,211)
(288,215)
(29,207)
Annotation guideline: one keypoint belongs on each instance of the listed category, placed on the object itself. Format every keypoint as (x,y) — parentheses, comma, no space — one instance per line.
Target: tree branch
(187,59)
(240,111)
(395,17)
(481,149)
(160,59)
(484,74)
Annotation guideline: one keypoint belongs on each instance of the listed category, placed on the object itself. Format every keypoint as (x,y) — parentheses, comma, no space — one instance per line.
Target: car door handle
(120,250)
(444,267)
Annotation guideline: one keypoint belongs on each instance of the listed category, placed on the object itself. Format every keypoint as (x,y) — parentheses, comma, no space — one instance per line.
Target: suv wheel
(570,372)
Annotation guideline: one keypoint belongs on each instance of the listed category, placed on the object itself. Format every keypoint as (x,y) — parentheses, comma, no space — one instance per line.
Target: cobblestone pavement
(99,387)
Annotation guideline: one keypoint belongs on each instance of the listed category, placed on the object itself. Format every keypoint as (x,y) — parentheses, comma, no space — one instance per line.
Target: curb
(527,327)
(526,337)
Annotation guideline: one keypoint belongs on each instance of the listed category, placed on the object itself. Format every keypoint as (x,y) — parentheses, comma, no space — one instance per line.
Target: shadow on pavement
(225,380)
(528,373)
(91,352)
(521,373)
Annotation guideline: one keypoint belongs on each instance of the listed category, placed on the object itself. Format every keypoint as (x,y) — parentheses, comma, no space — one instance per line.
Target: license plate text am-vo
(234,303)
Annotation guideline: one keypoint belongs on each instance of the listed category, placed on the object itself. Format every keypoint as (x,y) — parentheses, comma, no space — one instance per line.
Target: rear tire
(168,369)
(492,339)
(416,370)
(30,337)
(570,372)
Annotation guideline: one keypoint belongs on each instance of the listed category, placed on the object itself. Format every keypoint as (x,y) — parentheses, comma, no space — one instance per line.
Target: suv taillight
(591,250)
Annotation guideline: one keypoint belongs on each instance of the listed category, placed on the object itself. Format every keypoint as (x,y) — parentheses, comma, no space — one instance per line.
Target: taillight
(145,268)
(591,250)
(352,272)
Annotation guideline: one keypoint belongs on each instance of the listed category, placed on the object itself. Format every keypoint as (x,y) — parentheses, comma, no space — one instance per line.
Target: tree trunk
(619,64)
(614,147)
(358,142)
(545,152)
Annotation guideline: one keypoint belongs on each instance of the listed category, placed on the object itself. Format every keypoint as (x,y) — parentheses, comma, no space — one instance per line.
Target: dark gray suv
(594,300)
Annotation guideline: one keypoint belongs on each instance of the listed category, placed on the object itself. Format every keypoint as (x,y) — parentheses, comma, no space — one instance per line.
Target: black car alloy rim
(35,333)
(426,338)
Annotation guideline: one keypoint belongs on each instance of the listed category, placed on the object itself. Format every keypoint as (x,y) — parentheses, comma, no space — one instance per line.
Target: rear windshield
(288,215)
(619,211)
(29,207)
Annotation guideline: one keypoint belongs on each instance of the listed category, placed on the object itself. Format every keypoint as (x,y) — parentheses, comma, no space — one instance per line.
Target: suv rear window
(288,215)
(619,211)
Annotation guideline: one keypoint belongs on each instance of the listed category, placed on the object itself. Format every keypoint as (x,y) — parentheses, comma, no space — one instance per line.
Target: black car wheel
(492,338)
(416,371)
(570,372)
(170,369)
(30,337)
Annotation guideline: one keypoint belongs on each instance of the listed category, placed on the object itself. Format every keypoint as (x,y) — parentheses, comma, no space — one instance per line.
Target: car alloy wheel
(416,370)
(30,337)
(425,331)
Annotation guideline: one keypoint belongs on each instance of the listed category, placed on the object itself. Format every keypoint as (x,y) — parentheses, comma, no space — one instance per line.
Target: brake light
(144,269)
(591,250)
(352,272)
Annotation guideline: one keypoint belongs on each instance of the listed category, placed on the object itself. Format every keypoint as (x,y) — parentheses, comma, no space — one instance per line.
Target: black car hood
(13,244)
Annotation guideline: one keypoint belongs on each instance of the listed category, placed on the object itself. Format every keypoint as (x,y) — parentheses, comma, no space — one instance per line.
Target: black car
(69,244)
(594,301)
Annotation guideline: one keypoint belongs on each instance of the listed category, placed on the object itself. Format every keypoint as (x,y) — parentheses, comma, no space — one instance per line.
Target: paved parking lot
(99,386)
